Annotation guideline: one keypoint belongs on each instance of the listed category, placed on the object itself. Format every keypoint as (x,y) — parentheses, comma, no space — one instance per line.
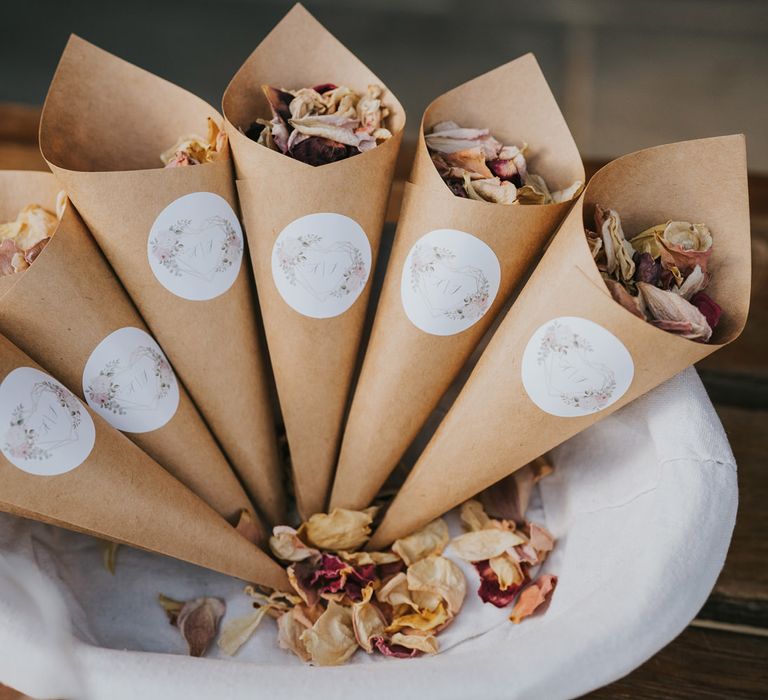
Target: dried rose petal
(319,151)
(541,539)
(367,622)
(439,575)
(331,640)
(707,306)
(490,588)
(385,647)
(508,571)
(423,619)
(290,626)
(647,269)
(286,544)
(341,529)
(196,619)
(533,596)
(431,539)
(671,312)
(490,190)
(619,252)
(484,544)
(694,283)
(237,632)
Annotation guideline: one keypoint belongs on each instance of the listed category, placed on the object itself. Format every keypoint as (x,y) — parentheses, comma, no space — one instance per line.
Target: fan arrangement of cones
(150,419)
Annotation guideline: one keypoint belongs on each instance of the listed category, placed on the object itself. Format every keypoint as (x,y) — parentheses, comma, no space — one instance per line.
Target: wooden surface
(724,653)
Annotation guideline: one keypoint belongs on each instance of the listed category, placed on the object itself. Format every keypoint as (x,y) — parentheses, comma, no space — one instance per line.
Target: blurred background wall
(627,73)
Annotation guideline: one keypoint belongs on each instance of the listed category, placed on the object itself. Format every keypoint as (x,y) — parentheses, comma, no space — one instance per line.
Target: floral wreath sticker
(129,382)
(573,367)
(321,264)
(195,246)
(450,279)
(47,430)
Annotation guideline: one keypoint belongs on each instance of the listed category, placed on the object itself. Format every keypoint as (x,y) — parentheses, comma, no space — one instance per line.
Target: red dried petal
(325,87)
(490,591)
(708,307)
(394,650)
(317,150)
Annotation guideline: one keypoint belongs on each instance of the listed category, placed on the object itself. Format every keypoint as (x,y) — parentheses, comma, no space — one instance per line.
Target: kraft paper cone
(313,356)
(408,368)
(62,464)
(104,124)
(69,301)
(495,427)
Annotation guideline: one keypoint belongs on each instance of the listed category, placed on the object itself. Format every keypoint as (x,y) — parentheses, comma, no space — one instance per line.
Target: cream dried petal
(426,643)
(671,312)
(286,544)
(367,622)
(237,632)
(473,515)
(335,127)
(618,250)
(449,137)
(490,189)
(440,575)
(290,626)
(541,539)
(306,102)
(569,193)
(368,558)
(688,236)
(341,529)
(431,539)
(37,224)
(197,620)
(696,282)
(395,592)
(484,544)
(331,640)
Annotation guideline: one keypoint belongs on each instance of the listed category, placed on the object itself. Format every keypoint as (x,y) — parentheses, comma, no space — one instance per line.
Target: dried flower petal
(423,619)
(694,283)
(671,312)
(490,190)
(431,539)
(194,150)
(532,597)
(378,559)
(439,575)
(484,544)
(508,499)
(290,626)
(425,643)
(196,619)
(286,544)
(541,539)
(490,587)
(331,640)
(341,529)
(23,239)
(473,515)
(707,306)
(620,294)
(567,194)
(395,592)
(619,252)
(367,622)
(508,572)
(237,632)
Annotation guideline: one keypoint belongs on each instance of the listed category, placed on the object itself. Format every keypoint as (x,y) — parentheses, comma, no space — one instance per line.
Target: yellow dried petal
(341,529)
(423,642)
(484,544)
(395,592)
(423,620)
(431,539)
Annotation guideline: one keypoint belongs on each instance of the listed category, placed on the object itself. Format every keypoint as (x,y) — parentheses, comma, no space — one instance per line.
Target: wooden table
(724,652)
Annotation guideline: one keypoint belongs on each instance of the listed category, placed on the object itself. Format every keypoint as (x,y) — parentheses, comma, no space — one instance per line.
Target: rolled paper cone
(63,464)
(567,355)
(428,322)
(313,310)
(69,311)
(173,238)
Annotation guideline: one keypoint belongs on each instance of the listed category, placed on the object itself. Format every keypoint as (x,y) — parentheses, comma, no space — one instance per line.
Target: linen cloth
(642,505)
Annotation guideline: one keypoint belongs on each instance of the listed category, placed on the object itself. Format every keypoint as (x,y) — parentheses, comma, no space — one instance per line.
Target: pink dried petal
(396,651)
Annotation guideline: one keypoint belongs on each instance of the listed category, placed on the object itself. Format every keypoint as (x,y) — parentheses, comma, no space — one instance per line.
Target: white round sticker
(46,430)
(321,263)
(195,246)
(450,279)
(129,382)
(574,367)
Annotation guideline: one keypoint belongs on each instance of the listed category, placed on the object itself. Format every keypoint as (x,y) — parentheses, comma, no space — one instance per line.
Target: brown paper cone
(103,126)
(407,369)
(62,307)
(313,358)
(115,491)
(494,427)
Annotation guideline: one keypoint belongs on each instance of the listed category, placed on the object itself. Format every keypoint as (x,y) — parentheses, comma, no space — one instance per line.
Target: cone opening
(672,183)
(103,114)
(323,59)
(18,188)
(492,101)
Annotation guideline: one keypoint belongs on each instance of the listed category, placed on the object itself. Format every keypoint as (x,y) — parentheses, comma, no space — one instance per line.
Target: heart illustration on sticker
(46,429)
(449,281)
(195,246)
(321,263)
(129,382)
